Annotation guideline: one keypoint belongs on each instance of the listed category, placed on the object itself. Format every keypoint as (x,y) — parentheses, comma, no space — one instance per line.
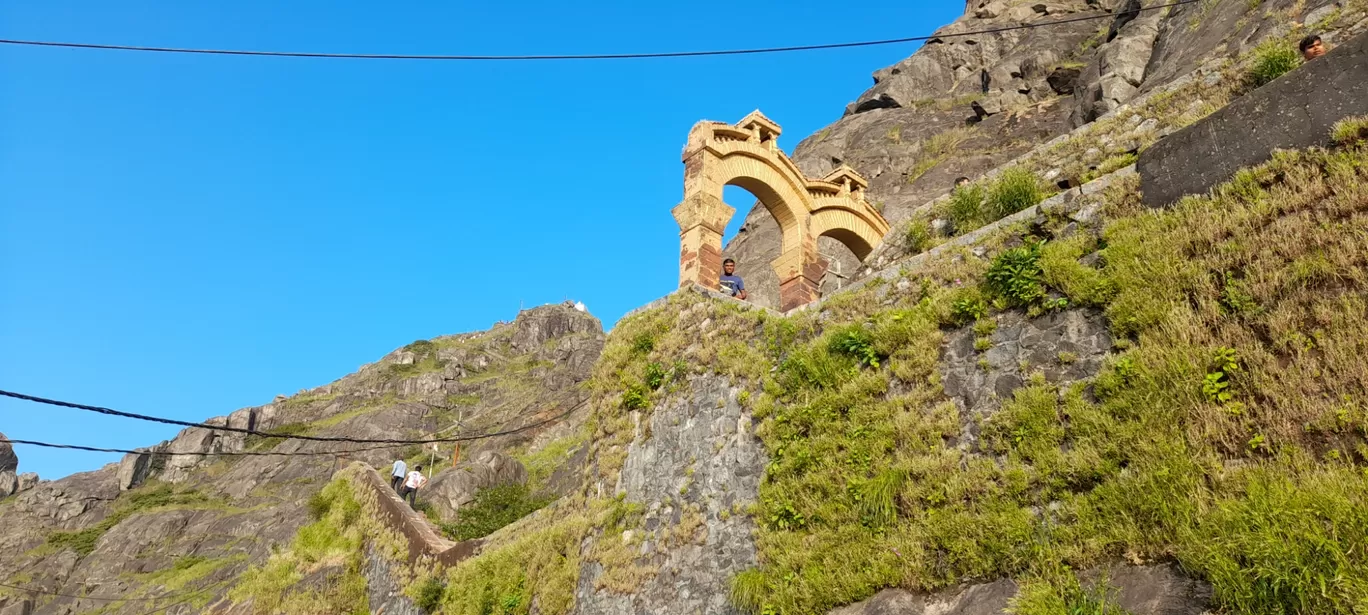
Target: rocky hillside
(963,106)
(182,521)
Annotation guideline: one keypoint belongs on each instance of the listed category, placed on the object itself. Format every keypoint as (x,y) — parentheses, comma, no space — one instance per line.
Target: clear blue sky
(188,235)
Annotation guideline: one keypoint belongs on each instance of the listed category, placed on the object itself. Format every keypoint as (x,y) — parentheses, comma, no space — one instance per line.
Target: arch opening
(746,155)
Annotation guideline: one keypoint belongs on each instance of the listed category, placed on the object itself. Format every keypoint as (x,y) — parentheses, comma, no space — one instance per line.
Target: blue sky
(188,235)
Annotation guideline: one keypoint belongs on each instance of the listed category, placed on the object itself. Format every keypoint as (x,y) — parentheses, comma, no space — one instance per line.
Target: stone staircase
(424,539)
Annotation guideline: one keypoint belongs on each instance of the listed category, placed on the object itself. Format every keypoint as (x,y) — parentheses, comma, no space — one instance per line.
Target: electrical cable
(254,432)
(603,56)
(391,445)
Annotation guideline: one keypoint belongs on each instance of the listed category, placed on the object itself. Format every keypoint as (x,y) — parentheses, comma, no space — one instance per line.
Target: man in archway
(730,282)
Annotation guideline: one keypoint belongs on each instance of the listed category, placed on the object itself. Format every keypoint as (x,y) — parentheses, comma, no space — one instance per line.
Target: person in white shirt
(397,476)
(412,484)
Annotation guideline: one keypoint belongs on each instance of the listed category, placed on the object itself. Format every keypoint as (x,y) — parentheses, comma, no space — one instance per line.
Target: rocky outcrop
(9,465)
(453,488)
(1117,70)
(695,462)
(1139,590)
(240,508)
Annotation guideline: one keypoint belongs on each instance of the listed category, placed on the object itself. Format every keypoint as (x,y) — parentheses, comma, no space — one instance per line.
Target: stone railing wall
(423,539)
(1295,111)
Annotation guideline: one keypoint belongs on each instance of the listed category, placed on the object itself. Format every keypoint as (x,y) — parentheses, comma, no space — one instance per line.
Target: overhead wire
(267,434)
(596,56)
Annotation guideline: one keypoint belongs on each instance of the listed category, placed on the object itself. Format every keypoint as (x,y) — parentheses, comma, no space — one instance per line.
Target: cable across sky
(254,432)
(599,56)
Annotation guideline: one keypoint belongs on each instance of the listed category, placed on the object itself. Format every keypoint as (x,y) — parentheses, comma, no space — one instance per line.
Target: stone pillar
(800,272)
(702,217)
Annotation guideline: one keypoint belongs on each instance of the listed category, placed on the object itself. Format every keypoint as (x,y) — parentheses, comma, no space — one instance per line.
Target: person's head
(729,266)
(961,181)
(417,468)
(1312,47)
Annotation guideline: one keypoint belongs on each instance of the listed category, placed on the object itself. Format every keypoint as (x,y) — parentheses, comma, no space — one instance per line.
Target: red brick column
(702,218)
(800,272)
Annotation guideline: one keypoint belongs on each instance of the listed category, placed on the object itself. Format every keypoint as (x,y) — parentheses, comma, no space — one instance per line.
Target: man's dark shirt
(732,284)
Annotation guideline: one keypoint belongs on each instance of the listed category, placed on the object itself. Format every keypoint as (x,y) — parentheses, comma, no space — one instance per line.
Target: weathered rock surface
(1141,590)
(1065,346)
(1117,70)
(453,488)
(695,461)
(9,464)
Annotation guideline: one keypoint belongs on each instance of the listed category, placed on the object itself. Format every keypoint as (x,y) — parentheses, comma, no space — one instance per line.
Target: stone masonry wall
(696,455)
(1295,111)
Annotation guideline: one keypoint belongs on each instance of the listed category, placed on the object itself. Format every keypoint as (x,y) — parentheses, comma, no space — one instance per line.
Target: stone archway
(747,155)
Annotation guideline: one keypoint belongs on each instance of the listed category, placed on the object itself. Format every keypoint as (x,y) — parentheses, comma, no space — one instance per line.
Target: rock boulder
(454,488)
(9,464)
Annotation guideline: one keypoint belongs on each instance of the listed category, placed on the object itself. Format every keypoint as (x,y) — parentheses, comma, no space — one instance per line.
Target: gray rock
(1063,80)
(19,606)
(980,599)
(1117,70)
(1035,342)
(1152,590)
(27,481)
(9,463)
(453,488)
(701,454)
(1314,17)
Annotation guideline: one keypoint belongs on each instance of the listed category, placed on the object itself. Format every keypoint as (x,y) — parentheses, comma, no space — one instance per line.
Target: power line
(267,434)
(395,444)
(601,56)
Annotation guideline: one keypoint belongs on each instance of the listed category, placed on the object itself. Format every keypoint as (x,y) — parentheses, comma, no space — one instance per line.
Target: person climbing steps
(398,474)
(412,484)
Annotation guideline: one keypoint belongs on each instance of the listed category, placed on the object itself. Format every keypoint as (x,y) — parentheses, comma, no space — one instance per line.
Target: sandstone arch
(747,155)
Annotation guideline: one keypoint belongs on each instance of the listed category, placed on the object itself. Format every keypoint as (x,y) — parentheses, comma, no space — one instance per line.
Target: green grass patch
(492,509)
(151,497)
(1272,59)
(331,543)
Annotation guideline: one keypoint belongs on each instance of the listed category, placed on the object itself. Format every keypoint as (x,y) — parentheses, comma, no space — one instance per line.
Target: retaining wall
(1294,111)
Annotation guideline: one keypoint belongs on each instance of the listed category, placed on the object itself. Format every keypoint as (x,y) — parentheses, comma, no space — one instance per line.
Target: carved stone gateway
(747,155)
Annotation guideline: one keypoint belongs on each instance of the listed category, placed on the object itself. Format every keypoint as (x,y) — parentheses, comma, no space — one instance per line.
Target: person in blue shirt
(731,283)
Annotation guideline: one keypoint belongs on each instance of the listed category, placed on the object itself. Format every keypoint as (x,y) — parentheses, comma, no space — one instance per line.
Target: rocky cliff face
(175,520)
(962,106)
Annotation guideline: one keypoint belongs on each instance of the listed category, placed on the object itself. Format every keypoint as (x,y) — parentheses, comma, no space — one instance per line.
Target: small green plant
(635,397)
(1272,59)
(643,343)
(1235,298)
(965,207)
(655,375)
(983,343)
(1014,190)
(318,506)
(1067,358)
(429,594)
(855,342)
(1015,276)
(917,237)
(968,309)
(1216,383)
